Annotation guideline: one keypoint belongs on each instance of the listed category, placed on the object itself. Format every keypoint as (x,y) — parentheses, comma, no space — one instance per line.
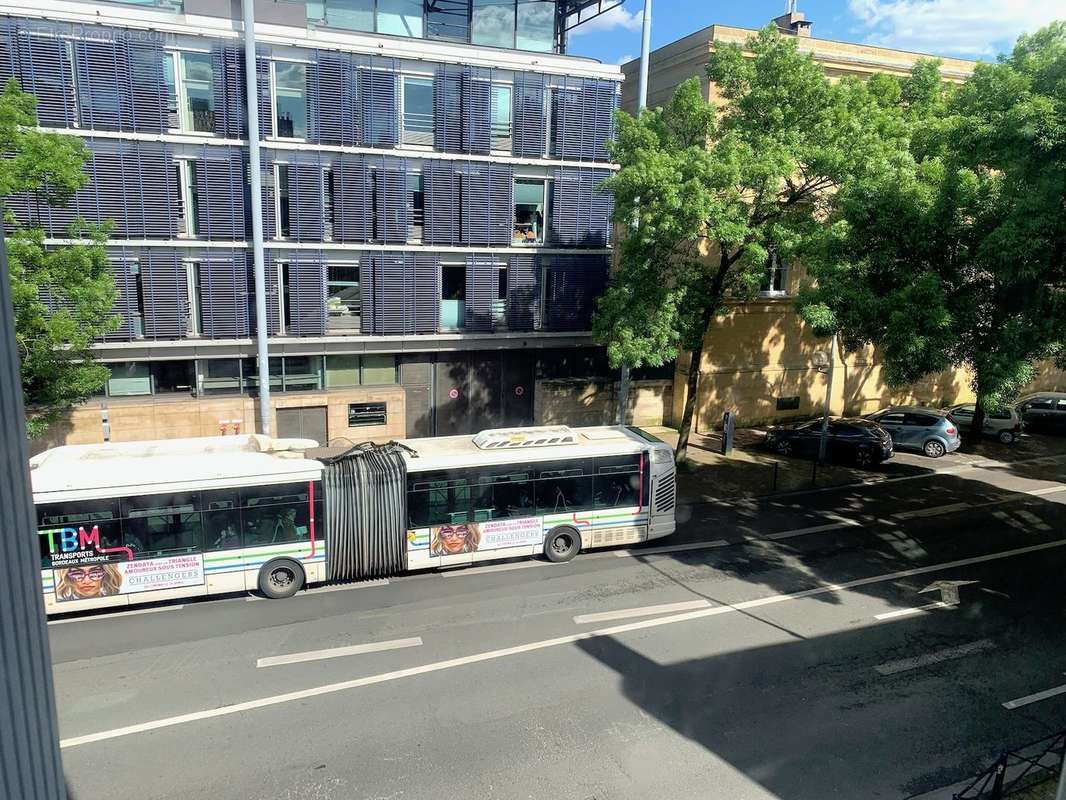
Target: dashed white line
(477,658)
(908,612)
(928,659)
(1034,698)
(115,615)
(643,611)
(338,652)
(831,526)
(934,512)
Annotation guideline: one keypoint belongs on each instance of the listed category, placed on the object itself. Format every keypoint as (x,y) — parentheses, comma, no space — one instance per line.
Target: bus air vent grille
(518,438)
(665,493)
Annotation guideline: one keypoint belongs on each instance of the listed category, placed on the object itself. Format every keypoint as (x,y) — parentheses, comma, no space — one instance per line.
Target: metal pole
(642,103)
(30,763)
(266,416)
(828,399)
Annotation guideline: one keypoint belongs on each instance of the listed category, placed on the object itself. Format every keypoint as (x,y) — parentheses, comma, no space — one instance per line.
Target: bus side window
(564,487)
(157,525)
(89,515)
(618,481)
(437,499)
(222,519)
(504,495)
(275,514)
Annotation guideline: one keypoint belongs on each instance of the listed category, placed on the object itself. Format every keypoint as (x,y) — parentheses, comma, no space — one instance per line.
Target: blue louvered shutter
(353,200)
(267,194)
(102,74)
(426,293)
(393,211)
(600,103)
(273,292)
(220,194)
(306,202)
(393,303)
(307,294)
(9,51)
(566,121)
(230,116)
(527,115)
(566,207)
(224,295)
(367,265)
(147,89)
(448,109)
(341,121)
(165,292)
(441,190)
(581,210)
(482,288)
(262,79)
(47,74)
(123,267)
(476,206)
(501,204)
(523,293)
(477,122)
(377,95)
(601,209)
(572,285)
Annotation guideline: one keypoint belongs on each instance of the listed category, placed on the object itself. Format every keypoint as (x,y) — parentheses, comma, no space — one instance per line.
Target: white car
(1005,424)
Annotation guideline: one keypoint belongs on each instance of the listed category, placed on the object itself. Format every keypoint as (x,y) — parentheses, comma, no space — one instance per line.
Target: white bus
(120,524)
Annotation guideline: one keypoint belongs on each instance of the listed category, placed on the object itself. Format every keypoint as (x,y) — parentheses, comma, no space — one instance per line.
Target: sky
(964,28)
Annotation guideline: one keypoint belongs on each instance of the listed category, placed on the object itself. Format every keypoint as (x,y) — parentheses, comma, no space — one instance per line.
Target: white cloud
(615,19)
(625,59)
(949,27)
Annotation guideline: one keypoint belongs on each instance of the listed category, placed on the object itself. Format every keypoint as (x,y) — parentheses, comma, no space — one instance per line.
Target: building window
(493,23)
(287,374)
(351,15)
(501,118)
(173,377)
(775,278)
(195,323)
(342,371)
(452,297)
(290,100)
(284,309)
(345,371)
(220,376)
(400,17)
(188,204)
(530,211)
(343,299)
(365,414)
(448,20)
(535,25)
(190,81)
(282,202)
(378,370)
(418,111)
(418,207)
(130,379)
(788,403)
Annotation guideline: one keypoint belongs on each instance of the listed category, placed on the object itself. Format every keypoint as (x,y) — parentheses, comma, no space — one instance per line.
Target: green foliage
(54,346)
(956,254)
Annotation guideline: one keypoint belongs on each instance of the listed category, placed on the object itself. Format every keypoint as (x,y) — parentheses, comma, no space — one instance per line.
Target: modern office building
(758,357)
(435,236)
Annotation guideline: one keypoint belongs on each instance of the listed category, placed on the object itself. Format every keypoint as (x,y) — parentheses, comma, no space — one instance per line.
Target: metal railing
(1017,770)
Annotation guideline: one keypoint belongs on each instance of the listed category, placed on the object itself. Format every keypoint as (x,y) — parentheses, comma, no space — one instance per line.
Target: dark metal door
(303,423)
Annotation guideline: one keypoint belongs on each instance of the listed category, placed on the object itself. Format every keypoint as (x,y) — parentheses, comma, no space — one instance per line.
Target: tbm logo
(71,539)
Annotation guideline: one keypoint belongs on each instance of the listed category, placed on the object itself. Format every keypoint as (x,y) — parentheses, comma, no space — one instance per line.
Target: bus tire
(281,578)
(562,544)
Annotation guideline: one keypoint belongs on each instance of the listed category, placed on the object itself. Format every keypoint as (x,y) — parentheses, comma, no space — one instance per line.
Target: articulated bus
(120,524)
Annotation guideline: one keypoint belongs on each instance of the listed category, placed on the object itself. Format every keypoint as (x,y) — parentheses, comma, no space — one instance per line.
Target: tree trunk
(977,426)
(685,430)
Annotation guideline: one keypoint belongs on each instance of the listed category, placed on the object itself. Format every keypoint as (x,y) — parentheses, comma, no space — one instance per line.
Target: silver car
(1005,424)
(926,429)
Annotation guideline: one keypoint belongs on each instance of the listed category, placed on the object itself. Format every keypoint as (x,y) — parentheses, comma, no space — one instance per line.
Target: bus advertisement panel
(109,578)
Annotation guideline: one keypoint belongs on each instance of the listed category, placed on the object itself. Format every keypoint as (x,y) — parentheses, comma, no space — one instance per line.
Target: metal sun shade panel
(220,188)
(273,292)
(583,118)
(426,292)
(482,289)
(528,115)
(366,513)
(572,284)
(306,220)
(334,84)
(123,268)
(46,73)
(262,79)
(442,192)
(400,293)
(147,89)
(353,200)
(448,109)
(378,97)
(224,294)
(9,50)
(230,118)
(581,210)
(476,110)
(267,190)
(307,294)
(523,292)
(393,210)
(102,71)
(165,294)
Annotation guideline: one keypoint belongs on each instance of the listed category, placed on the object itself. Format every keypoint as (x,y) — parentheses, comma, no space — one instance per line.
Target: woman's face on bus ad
(86,581)
(453,538)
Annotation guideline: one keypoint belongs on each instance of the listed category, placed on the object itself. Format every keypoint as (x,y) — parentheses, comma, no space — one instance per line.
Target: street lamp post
(823,362)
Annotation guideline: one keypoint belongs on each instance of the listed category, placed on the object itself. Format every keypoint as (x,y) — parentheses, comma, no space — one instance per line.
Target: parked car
(856,441)
(1004,424)
(1044,411)
(928,430)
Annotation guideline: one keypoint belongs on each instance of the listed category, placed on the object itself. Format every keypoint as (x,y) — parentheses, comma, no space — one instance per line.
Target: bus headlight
(662,456)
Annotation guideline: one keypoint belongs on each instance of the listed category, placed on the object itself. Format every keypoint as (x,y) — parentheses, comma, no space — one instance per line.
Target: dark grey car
(1044,412)
(928,430)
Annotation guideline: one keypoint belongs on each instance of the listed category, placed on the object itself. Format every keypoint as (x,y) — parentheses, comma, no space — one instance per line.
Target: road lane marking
(1034,698)
(115,615)
(644,611)
(677,548)
(343,587)
(1046,490)
(928,659)
(906,612)
(338,652)
(490,655)
(457,571)
(831,526)
(1004,498)
(934,512)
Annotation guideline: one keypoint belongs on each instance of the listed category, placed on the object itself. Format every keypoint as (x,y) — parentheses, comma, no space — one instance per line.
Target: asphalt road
(787,652)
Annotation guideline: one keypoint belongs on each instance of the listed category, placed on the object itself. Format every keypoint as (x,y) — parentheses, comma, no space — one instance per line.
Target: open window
(530,211)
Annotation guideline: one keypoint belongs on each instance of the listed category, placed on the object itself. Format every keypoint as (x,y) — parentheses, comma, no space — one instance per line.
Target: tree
(957,256)
(62,296)
(718,188)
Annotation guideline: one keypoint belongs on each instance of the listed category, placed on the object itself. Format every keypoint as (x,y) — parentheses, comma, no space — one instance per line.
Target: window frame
(426,77)
(275,127)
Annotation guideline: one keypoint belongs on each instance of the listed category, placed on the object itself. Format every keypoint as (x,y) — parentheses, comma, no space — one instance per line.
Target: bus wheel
(281,578)
(562,544)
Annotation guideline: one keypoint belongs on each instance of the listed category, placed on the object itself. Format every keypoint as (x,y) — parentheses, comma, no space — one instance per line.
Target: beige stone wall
(580,403)
(161,417)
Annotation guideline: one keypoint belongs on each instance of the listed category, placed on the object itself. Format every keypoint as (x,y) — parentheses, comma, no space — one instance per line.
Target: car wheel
(562,544)
(1006,437)
(863,458)
(784,447)
(280,579)
(934,448)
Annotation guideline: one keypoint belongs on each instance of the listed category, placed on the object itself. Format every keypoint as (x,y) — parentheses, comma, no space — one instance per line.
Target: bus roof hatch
(516,438)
